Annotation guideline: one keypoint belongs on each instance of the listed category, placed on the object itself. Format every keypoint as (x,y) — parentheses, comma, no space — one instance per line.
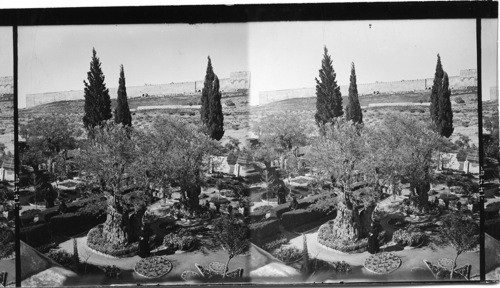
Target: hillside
(465,115)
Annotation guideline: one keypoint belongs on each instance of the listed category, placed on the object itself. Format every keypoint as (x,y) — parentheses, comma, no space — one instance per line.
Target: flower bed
(288,255)
(409,238)
(153,267)
(96,241)
(441,273)
(208,274)
(382,263)
(184,243)
(190,276)
(217,267)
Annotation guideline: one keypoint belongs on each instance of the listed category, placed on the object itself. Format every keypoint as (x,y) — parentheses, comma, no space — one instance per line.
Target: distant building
(7,170)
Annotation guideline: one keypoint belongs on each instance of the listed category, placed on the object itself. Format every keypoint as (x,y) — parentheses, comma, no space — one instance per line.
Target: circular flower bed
(153,267)
(382,263)
(217,267)
(446,263)
(190,276)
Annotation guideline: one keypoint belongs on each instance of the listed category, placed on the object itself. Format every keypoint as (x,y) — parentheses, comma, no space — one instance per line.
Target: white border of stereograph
(14,4)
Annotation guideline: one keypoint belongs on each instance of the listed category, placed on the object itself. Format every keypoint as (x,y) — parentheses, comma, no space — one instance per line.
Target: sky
(279,55)
(6,52)
(57,58)
(489,54)
(285,55)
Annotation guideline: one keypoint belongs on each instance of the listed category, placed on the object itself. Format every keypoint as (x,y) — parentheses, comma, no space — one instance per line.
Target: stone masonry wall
(236,81)
(467,78)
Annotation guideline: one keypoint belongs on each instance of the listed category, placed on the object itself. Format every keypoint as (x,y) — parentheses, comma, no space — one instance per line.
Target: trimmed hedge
(262,230)
(36,235)
(292,219)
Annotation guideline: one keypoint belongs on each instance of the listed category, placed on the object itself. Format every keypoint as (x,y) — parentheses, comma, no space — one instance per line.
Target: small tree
(97,100)
(75,257)
(233,236)
(461,232)
(328,97)
(122,111)
(46,138)
(436,87)
(353,109)
(445,113)
(215,116)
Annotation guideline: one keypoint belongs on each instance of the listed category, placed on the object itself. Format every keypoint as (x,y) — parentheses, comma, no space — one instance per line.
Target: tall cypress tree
(436,86)
(353,108)
(122,111)
(328,97)
(205,93)
(215,118)
(445,118)
(97,101)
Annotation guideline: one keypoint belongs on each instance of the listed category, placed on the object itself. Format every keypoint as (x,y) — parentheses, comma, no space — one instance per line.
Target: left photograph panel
(7,251)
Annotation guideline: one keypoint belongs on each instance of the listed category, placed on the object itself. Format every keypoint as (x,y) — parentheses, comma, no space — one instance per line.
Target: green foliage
(97,100)
(353,108)
(233,235)
(122,111)
(328,97)
(318,265)
(445,113)
(459,231)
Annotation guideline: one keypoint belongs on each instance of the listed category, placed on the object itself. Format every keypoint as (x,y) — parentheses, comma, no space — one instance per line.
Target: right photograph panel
(366,141)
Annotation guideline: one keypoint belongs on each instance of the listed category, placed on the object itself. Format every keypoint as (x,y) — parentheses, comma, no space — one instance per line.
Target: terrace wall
(236,81)
(467,78)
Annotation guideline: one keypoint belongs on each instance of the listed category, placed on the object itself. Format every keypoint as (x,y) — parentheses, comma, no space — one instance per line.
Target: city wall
(236,81)
(467,78)
(6,85)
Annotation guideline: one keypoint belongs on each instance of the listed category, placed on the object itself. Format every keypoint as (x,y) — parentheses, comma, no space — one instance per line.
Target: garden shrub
(459,100)
(262,230)
(409,238)
(61,257)
(36,235)
(298,217)
(275,244)
(328,266)
(175,242)
(6,242)
(287,254)
(112,272)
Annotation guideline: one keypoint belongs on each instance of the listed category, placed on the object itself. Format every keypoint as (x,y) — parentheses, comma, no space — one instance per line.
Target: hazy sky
(6,56)
(57,58)
(287,55)
(489,56)
(279,55)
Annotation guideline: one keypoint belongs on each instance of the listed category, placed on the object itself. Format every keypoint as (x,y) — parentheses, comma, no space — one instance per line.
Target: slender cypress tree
(122,111)
(205,93)
(328,97)
(353,108)
(215,118)
(436,86)
(445,119)
(97,101)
